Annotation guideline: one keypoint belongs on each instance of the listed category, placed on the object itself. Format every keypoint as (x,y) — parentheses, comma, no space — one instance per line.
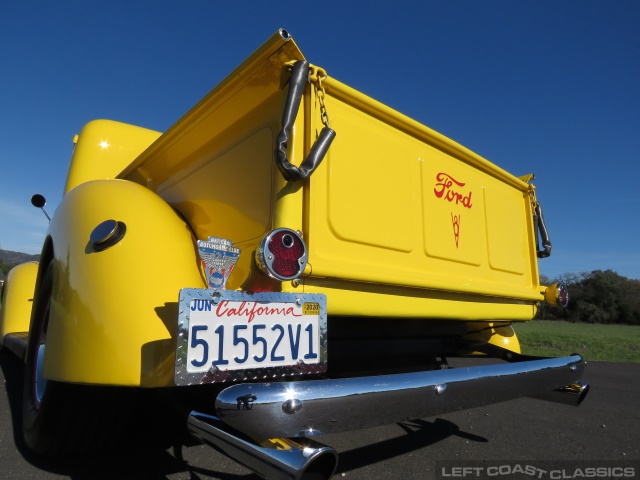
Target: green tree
(597,297)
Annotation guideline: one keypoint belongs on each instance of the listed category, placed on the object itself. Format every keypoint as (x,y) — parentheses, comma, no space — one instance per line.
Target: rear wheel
(59,419)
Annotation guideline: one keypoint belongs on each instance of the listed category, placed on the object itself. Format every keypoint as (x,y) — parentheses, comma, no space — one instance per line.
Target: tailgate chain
(540,226)
(317,75)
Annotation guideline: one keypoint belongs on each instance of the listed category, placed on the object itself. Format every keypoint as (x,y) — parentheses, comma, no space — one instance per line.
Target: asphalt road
(541,439)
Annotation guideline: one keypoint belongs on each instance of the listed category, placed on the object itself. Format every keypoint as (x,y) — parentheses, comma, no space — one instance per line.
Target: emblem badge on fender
(219,256)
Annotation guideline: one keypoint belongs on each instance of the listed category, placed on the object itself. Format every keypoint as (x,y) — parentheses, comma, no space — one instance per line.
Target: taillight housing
(557,294)
(282,254)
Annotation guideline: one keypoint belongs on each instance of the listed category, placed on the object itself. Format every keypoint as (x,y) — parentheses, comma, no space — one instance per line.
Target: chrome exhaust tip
(274,459)
(573,394)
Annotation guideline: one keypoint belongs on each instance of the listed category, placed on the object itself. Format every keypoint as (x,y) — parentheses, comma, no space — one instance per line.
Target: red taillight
(282,254)
(557,294)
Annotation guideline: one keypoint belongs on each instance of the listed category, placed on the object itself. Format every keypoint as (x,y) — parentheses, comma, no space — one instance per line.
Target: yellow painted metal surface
(17,299)
(501,335)
(400,221)
(114,313)
(370,299)
(395,203)
(104,148)
(215,165)
(249,99)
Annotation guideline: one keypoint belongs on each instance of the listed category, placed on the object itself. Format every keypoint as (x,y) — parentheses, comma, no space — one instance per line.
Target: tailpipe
(274,459)
(572,394)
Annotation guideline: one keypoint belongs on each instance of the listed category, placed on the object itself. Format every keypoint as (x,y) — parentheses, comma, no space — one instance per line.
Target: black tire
(59,419)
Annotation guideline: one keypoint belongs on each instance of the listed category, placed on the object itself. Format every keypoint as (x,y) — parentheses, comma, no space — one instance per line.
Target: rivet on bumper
(441,389)
(291,406)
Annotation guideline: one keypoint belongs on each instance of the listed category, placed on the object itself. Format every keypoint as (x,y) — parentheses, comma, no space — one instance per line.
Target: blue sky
(550,87)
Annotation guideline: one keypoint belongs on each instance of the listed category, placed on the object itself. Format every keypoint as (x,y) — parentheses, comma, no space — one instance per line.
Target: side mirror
(39,201)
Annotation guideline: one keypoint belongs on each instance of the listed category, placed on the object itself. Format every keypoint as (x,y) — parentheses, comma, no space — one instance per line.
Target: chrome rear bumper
(305,408)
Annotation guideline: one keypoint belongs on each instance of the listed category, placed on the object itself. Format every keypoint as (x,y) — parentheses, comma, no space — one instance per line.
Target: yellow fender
(499,334)
(16,299)
(114,312)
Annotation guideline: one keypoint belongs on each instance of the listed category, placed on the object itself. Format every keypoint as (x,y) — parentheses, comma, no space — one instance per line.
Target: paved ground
(545,440)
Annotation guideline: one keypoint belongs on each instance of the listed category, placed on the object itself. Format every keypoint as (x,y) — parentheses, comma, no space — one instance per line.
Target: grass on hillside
(596,342)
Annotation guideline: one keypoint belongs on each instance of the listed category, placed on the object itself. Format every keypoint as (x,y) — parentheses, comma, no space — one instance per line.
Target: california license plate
(231,335)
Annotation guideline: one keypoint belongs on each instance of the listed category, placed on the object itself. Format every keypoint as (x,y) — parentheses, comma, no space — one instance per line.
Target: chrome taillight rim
(282,254)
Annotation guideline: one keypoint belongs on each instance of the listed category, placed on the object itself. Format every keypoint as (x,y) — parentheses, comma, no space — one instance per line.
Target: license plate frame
(207,320)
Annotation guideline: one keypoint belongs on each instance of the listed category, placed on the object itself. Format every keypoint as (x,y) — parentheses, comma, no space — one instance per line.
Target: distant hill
(8,257)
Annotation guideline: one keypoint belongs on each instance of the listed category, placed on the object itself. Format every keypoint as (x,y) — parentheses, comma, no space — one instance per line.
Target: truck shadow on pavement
(418,434)
(135,459)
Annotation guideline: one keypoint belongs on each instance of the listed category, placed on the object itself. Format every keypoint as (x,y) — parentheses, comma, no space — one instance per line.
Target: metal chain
(317,75)
(532,194)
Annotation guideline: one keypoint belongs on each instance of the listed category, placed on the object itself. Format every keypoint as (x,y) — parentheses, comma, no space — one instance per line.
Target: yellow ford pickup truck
(288,254)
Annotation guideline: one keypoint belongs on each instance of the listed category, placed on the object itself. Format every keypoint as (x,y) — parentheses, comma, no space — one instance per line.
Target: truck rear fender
(16,299)
(113,317)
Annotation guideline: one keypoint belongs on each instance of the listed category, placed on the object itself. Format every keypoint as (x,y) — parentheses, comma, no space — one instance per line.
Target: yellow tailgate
(395,203)
(399,220)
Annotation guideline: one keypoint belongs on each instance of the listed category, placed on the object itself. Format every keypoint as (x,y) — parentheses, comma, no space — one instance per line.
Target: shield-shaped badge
(219,256)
